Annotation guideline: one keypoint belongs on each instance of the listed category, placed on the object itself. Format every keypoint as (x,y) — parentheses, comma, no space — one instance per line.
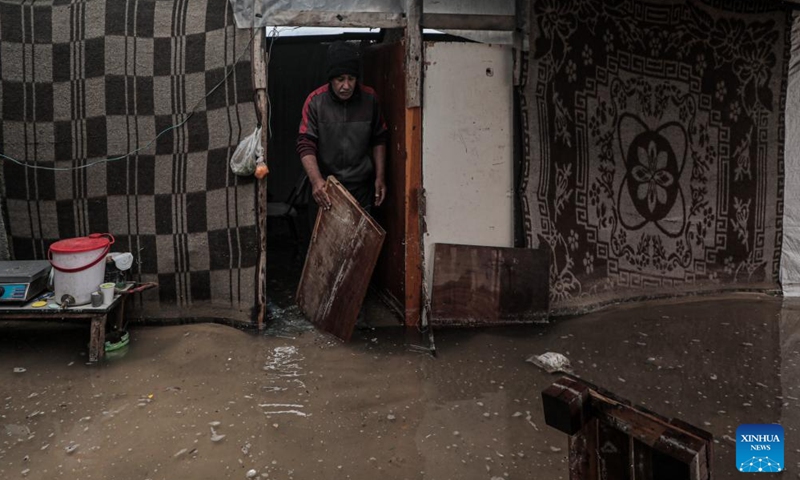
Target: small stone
(216,438)
(554,448)
(456,433)
(487,414)
(390,417)
(26,472)
(180,452)
(71,447)
(19,370)
(517,414)
(251,473)
(215,424)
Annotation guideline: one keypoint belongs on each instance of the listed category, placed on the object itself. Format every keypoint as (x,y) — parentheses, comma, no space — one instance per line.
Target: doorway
(296,68)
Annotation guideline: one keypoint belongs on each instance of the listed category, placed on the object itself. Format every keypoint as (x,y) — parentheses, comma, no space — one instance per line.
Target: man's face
(343,86)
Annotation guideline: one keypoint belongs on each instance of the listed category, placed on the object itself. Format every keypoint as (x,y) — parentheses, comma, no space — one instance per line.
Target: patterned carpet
(84,83)
(653,146)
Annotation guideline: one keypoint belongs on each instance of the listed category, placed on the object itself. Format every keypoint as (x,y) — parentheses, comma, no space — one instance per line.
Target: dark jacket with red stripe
(341,133)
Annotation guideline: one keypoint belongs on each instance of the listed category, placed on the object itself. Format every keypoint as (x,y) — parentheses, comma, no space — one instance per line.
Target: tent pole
(259,65)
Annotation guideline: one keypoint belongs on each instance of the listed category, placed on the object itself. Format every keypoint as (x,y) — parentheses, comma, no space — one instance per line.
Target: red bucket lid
(94,241)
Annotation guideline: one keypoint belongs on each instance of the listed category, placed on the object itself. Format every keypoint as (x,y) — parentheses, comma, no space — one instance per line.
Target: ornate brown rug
(654,146)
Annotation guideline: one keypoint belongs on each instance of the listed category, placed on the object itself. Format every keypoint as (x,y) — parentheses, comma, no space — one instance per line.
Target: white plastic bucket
(79,266)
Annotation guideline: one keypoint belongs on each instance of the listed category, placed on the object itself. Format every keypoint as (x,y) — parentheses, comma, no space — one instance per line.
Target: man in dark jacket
(342,133)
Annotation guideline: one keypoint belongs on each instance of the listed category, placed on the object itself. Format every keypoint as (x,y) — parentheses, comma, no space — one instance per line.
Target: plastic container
(78,266)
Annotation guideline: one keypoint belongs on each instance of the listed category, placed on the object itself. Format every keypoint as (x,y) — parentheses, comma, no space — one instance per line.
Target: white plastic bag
(243,160)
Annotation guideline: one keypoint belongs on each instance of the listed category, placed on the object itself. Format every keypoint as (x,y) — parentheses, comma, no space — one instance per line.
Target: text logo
(759,448)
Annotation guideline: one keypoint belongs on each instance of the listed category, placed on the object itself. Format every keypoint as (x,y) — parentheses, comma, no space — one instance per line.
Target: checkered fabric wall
(84,82)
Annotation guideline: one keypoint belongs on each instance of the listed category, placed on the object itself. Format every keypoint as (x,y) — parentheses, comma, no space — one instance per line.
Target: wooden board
(475,285)
(383,70)
(628,441)
(341,257)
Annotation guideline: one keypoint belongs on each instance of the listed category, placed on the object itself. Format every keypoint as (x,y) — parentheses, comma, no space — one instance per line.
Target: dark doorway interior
(296,68)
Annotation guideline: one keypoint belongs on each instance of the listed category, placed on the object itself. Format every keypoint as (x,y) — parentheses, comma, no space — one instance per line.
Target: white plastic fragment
(551,362)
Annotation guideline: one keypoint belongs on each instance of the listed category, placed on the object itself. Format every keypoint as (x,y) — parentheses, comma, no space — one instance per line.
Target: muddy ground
(295,404)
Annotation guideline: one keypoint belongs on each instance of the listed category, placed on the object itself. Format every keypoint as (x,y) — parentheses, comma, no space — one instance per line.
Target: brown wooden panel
(383,70)
(341,257)
(631,440)
(583,453)
(613,453)
(475,285)
(642,461)
(413,240)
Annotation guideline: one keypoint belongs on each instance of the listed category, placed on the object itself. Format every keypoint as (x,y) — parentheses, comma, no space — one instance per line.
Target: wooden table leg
(97,341)
(120,315)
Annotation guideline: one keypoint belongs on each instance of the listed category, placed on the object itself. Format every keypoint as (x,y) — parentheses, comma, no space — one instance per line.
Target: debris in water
(216,437)
(72,447)
(180,452)
(19,370)
(551,362)
(246,448)
(517,414)
(554,448)
(215,424)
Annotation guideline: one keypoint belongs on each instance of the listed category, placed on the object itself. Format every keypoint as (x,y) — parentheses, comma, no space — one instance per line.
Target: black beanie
(343,59)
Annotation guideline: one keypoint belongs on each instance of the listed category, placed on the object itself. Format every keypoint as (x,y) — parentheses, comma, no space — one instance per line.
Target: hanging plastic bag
(243,160)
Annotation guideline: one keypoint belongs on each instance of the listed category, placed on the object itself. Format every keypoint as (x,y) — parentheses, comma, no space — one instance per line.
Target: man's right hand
(320,194)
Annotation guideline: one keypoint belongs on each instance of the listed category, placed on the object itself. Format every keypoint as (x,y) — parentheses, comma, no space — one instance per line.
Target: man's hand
(320,194)
(380,191)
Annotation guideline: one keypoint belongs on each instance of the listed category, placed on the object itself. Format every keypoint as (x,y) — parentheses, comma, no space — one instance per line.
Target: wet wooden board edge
(674,446)
(332,182)
(369,223)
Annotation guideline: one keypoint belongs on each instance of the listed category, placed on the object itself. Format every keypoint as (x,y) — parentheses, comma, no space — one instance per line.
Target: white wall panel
(467,146)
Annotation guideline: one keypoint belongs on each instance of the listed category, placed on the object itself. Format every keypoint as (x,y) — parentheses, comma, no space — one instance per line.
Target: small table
(97,315)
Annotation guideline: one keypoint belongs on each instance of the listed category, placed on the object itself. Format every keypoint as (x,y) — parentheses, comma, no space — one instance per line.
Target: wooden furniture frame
(614,440)
(98,316)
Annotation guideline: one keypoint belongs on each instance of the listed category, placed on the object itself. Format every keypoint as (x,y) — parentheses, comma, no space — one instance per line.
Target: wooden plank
(669,441)
(642,461)
(413,54)
(462,21)
(566,405)
(317,18)
(476,285)
(259,74)
(583,452)
(613,453)
(413,240)
(657,448)
(707,437)
(384,71)
(344,247)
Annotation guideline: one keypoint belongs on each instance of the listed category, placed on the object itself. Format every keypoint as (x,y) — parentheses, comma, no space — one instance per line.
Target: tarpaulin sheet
(285,12)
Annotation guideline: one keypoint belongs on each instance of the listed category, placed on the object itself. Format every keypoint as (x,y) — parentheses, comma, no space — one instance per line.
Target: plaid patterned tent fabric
(87,81)
(654,146)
